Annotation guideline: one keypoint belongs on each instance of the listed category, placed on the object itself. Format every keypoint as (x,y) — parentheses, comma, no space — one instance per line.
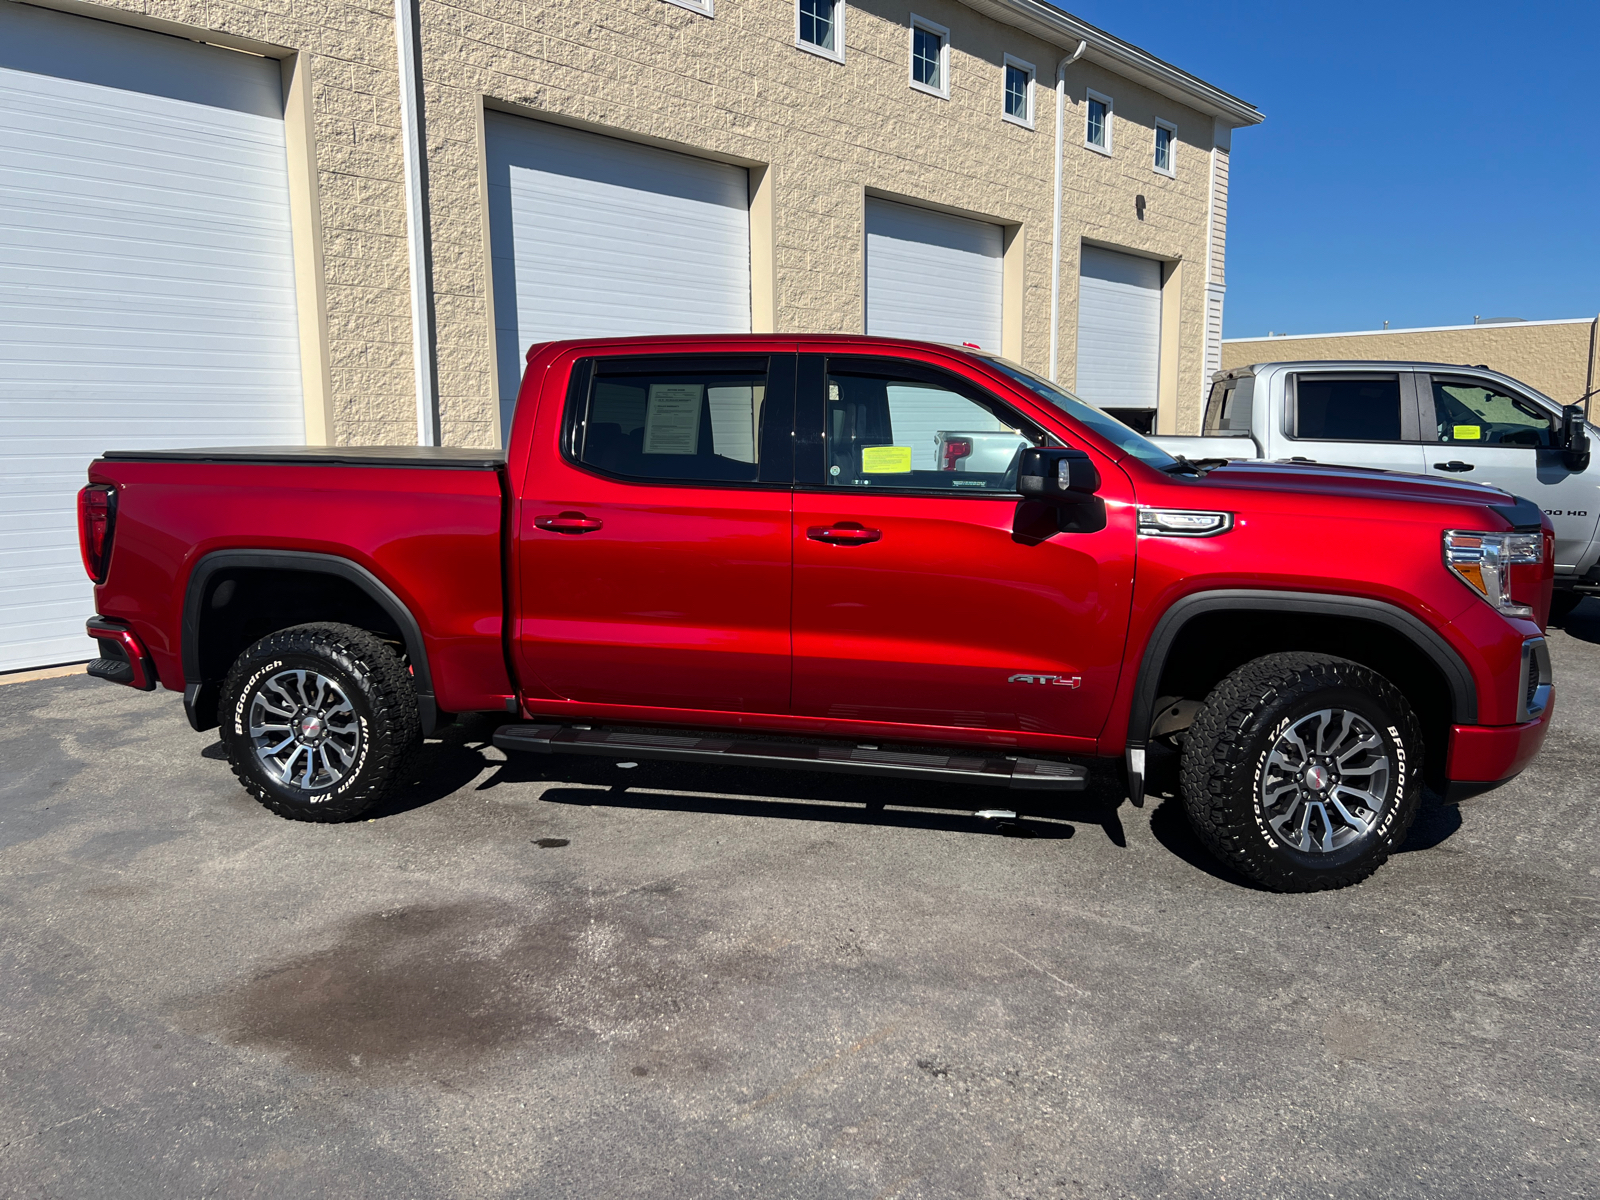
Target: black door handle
(1455,464)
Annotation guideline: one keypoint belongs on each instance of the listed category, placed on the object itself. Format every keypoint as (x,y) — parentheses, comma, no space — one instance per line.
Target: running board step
(1025,774)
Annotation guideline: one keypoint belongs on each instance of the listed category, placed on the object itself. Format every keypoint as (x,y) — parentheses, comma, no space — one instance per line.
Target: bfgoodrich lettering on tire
(319,721)
(1303,771)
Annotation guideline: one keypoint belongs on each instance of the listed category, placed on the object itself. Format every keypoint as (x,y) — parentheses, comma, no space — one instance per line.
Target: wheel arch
(352,591)
(1451,695)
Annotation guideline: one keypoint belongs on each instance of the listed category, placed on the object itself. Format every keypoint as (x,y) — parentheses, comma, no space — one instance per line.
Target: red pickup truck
(760,549)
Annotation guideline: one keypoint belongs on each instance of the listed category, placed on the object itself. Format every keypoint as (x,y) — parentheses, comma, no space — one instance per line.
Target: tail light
(97,521)
(955,449)
(1510,570)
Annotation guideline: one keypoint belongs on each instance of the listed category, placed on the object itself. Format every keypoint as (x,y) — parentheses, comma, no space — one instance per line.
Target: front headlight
(1483,561)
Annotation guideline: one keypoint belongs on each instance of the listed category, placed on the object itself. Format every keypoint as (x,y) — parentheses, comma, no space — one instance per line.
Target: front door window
(1476,413)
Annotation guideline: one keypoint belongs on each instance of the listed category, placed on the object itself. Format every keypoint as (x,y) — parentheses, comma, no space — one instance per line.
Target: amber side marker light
(1483,562)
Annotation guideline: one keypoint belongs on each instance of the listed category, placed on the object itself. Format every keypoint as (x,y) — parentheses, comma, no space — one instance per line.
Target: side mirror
(1575,437)
(1065,476)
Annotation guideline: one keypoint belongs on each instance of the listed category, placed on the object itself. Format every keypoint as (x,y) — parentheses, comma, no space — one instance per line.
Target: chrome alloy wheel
(1325,781)
(304,730)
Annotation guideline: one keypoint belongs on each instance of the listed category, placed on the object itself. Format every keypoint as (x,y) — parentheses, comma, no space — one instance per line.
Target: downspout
(1055,238)
(405,36)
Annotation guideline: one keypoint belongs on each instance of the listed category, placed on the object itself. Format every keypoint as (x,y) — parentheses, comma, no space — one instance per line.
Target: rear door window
(914,428)
(1348,408)
(694,419)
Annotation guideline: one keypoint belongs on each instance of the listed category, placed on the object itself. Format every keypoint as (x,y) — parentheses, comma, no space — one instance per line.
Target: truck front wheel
(319,721)
(1303,771)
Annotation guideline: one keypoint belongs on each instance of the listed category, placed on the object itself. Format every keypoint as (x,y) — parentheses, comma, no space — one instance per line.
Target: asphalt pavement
(561,978)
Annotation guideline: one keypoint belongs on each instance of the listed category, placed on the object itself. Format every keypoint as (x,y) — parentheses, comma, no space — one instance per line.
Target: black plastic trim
(1463,691)
(199,695)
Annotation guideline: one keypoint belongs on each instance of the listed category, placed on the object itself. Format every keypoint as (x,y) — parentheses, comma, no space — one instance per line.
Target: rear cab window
(714,419)
(1230,409)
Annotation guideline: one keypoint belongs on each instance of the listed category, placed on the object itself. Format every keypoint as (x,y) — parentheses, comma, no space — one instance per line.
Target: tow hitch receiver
(1026,774)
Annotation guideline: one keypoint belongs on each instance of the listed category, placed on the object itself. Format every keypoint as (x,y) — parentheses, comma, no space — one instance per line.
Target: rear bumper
(1482,756)
(123,658)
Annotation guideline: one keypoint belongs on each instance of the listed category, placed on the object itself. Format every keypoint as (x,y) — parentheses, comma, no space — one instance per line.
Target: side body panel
(432,536)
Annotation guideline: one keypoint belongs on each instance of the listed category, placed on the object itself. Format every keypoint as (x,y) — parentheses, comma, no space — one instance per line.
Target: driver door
(914,602)
(1482,432)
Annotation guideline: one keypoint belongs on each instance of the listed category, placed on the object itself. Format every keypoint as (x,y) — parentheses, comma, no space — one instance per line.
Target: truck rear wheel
(319,721)
(1303,771)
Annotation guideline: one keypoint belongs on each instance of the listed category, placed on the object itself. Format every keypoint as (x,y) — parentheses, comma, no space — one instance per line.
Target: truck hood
(1365,482)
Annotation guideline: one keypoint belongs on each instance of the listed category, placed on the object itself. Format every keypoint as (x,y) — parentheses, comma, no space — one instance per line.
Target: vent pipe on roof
(1055,237)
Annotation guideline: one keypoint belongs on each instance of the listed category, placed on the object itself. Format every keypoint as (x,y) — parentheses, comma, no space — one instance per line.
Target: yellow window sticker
(885,460)
(1466,433)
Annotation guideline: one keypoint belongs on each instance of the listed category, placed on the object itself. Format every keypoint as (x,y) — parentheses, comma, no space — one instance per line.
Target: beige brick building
(344,221)
(1559,358)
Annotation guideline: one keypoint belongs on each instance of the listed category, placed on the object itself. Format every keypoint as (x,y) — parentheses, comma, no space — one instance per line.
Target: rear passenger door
(1354,418)
(653,536)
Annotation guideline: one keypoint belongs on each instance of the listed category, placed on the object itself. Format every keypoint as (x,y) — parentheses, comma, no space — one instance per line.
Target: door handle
(843,533)
(1455,464)
(569,522)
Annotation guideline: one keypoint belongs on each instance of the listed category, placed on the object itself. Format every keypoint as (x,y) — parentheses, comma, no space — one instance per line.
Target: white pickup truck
(1466,423)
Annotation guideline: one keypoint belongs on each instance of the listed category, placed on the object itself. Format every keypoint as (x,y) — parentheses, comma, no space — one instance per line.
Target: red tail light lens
(955,449)
(97,519)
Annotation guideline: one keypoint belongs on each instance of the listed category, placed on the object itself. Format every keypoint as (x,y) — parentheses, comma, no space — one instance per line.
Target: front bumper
(1482,756)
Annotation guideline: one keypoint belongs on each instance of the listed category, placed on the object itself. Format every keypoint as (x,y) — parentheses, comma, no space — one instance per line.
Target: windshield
(1107,426)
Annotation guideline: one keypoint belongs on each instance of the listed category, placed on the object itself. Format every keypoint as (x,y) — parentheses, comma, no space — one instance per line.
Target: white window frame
(704,8)
(1171,169)
(943,34)
(1088,95)
(1021,65)
(837,53)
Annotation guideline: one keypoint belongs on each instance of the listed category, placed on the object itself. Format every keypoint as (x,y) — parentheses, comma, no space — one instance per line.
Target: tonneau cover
(459,457)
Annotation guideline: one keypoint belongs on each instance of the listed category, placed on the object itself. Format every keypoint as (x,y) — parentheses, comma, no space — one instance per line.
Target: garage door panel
(933,276)
(1119,329)
(146,282)
(592,236)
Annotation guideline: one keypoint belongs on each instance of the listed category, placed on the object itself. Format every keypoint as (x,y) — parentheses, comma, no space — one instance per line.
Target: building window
(930,57)
(1097,123)
(819,27)
(1019,92)
(703,7)
(1167,148)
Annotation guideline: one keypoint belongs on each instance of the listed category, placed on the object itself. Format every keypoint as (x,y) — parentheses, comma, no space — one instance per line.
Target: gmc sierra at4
(745,550)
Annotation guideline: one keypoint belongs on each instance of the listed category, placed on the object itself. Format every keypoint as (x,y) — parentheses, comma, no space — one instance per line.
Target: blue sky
(1421,163)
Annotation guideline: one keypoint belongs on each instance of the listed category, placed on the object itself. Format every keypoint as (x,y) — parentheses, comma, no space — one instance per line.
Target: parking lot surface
(558,977)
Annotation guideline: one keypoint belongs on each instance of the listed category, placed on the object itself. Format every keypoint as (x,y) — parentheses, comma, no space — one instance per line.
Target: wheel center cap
(311,726)
(1317,777)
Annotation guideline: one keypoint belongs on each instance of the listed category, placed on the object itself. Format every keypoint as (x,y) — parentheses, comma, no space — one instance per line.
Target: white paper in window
(672,418)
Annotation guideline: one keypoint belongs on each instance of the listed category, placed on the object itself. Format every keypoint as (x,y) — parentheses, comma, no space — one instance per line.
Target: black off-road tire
(380,732)
(1226,753)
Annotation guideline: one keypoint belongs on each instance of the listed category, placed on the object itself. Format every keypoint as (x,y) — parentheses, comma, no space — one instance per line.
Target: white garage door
(146,283)
(1119,329)
(593,236)
(932,276)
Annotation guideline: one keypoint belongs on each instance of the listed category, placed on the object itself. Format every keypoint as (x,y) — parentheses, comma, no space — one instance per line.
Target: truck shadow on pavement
(1582,622)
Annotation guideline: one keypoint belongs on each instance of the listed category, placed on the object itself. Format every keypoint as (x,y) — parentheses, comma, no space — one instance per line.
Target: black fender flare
(1463,691)
(200,695)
